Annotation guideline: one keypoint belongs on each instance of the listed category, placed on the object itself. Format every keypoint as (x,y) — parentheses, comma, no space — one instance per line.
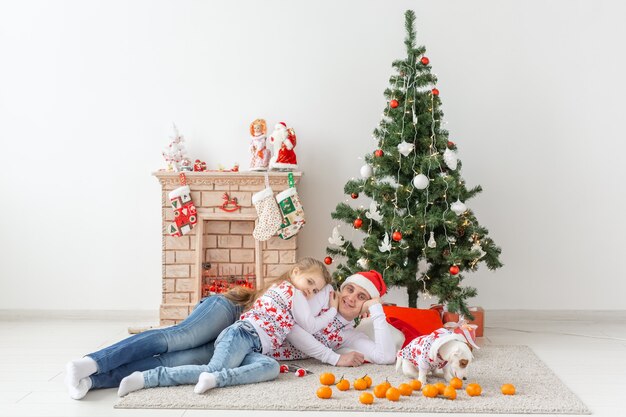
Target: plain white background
(532,91)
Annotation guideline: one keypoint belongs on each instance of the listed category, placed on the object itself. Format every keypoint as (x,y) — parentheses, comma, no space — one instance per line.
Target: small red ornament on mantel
(230,204)
(378,153)
(354,196)
(199,166)
(328,260)
(425,60)
(454,269)
(397,236)
(435,92)
(394,103)
(358,223)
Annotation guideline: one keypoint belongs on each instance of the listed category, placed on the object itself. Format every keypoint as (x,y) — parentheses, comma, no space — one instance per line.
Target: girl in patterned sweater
(240,350)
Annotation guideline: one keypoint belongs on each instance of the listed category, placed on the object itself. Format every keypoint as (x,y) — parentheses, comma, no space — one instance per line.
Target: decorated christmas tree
(418,231)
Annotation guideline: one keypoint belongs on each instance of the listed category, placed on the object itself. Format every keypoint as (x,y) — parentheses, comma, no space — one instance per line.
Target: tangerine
(508,389)
(456,383)
(366,398)
(440,387)
(386,383)
(473,390)
(405,389)
(360,384)
(416,384)
(327,378)
(393,394)
(450,392)
(430,391)
(380,390)
(343,384)
(368,379)
(324,392)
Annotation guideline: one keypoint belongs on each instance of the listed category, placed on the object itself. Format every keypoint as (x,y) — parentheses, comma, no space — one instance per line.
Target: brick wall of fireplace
(222,239)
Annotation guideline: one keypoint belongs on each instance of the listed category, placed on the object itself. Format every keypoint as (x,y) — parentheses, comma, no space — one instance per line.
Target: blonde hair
(260,122)
(246,296)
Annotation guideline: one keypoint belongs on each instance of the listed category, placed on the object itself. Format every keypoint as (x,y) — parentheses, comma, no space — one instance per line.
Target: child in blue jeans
(239,355)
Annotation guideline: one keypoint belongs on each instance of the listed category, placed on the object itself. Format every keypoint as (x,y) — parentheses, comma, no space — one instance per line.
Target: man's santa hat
(371,281)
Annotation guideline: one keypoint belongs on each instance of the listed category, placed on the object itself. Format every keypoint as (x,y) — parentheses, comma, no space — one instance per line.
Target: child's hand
(333,300)
(365,309)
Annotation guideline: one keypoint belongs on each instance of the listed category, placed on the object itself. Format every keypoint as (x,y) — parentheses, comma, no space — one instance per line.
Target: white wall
(89,90)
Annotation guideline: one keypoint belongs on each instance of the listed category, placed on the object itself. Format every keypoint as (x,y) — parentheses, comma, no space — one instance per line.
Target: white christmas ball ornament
(420,181)
(458,207)
(366,171)
(405,148)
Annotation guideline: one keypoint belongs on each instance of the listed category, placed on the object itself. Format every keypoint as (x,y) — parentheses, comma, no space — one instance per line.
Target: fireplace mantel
(224,238)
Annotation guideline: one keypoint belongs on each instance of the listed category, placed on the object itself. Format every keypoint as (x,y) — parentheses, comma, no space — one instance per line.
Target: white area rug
(539,390)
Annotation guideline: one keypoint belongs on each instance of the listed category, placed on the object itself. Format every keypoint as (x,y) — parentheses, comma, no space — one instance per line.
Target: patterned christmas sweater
(340,333)
(423,351)
(275,313)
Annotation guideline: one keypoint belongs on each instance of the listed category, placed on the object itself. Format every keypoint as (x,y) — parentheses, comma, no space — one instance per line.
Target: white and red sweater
(423,351)
(340,333)
(275,313)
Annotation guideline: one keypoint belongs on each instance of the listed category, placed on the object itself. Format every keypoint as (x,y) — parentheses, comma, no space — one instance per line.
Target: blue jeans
(236,360)
(189,342)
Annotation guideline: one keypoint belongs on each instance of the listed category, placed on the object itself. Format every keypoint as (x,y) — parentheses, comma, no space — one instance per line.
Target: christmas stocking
(184,210)
(270,218)
(291,209)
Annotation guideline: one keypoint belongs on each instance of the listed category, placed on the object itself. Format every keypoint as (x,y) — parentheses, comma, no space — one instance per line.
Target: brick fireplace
(220,239)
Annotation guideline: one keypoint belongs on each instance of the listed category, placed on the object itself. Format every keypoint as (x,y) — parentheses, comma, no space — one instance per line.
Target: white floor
(587,350)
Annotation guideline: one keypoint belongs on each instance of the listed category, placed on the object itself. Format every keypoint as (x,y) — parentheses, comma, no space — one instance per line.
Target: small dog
(442,348)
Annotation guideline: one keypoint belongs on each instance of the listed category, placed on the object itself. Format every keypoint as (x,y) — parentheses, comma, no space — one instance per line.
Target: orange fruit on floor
(366,398)
(386,383)
(368,379)
(440,387)
(380,390)
(324,392)
(473,390)
(343,384)
(416,384)
(360,384)
(430,391)
(405,389)
(508,389)
(393,394)
(456,383)
(450,392)
(327,378)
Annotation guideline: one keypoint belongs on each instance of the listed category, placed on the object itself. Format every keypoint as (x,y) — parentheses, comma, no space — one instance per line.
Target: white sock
(84,385)
(205,383)
(78,369)
(132,382)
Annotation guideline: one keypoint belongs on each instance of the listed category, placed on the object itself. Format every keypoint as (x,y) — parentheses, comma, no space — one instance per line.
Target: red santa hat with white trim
(370,281)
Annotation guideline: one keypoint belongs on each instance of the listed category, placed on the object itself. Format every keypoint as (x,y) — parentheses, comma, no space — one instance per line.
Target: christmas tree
(419,233)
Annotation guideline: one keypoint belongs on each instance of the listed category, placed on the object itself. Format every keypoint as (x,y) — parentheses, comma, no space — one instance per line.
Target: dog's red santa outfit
(423,352)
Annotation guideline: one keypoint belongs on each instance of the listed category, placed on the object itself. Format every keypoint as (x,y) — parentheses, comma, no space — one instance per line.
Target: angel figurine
(258,146)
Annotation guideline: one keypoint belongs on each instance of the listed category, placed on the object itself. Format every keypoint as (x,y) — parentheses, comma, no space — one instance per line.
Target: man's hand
(333,300)
(365,309)
(351,359)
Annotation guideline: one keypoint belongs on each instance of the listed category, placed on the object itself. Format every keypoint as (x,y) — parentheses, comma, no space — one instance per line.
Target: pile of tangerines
(385,390)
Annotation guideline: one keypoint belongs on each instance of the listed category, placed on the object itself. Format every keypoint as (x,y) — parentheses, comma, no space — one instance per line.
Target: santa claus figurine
(282,141)
(260,154)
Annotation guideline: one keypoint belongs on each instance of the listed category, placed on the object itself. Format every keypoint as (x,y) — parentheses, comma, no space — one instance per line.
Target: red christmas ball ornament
(284,369)
(435,92)
(397,236)
(300,372)
(328,260)
(454,269)
(378,153)
(451,144)
(354,195)
(394,103)
(425,60)
(358,223)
